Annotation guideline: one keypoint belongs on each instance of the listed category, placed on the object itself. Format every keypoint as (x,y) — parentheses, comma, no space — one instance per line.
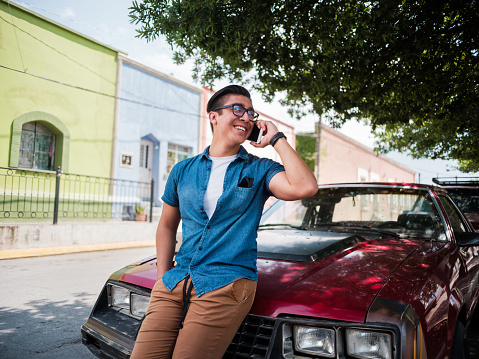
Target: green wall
(61,77)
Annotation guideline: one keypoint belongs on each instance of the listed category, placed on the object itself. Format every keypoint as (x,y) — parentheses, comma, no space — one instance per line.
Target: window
(362,175)
(37,147)
(144,152)
(176,154)
(125,160)
(39,141)
(454,216)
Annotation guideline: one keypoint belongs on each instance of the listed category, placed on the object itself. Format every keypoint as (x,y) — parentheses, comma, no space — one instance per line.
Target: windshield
(405,212)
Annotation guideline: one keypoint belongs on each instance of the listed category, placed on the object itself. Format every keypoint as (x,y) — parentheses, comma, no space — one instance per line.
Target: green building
(57,96)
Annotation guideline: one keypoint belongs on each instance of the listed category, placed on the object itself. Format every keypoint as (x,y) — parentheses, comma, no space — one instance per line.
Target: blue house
(158,120)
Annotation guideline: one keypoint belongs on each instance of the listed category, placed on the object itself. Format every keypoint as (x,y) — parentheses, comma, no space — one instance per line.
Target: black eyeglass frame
(252,115)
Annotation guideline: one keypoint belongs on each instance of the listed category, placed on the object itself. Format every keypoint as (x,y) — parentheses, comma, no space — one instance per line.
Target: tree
(306,148)
(409,68)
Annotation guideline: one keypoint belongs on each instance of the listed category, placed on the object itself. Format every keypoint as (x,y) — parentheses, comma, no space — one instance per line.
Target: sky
(108,22)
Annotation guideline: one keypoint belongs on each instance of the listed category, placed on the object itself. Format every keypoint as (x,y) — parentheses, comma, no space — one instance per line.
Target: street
(45,300)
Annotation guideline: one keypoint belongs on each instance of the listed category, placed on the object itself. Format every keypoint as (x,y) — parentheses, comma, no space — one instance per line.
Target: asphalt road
(45,300)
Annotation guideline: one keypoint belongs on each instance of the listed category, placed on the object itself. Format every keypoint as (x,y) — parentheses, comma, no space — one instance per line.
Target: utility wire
(82,65)
(156,44)
(16,37)
(15,27)
(104,94)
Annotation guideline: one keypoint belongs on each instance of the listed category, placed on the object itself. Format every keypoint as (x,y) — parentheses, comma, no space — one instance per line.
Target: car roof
(381,184)
(418,186)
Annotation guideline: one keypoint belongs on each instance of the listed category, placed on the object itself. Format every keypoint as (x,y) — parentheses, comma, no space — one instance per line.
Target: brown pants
(208,328)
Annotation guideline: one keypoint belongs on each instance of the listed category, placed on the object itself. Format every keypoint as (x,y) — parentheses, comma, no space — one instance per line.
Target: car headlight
(119,297)
(368,344)
(127,300)
(316,341)
(139,303)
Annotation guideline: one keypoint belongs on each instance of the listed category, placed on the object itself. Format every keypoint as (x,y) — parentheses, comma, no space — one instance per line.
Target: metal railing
(45,195)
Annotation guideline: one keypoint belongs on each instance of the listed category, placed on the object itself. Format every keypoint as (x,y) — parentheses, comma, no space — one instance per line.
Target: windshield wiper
(353,225)
(388,233)
(282,225)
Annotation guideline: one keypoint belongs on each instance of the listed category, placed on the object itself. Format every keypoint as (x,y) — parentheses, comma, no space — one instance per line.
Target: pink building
(344,160)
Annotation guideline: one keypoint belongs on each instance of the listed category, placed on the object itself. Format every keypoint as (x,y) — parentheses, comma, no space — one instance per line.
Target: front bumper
(258,337)
(254,339)
(99,340)
(111,333)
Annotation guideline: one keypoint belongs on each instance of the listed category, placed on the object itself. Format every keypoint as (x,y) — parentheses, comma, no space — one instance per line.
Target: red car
(373,270)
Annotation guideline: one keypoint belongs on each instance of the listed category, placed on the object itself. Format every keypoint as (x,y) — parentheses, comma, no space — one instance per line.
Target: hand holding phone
(256,134)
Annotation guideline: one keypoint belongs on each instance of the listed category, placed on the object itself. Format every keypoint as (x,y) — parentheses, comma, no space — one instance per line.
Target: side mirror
(467,239)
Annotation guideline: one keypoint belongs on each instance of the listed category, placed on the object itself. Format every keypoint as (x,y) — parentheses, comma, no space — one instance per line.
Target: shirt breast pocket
(242,198)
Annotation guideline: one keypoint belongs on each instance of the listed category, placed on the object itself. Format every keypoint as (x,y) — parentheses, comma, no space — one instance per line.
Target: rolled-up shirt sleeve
(170,196)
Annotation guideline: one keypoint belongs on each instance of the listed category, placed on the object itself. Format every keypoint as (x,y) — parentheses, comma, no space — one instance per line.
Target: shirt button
(208,226)
(204,188)
(201,208)
(208,168)
(192,268)
(200,248)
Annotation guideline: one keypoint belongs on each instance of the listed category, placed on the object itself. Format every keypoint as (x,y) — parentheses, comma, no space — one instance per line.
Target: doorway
(146,160)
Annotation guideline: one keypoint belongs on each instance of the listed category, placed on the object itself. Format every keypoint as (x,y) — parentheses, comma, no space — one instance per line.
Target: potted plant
(139,213)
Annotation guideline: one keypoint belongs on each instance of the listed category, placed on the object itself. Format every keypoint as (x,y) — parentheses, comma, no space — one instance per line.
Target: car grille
(252,339)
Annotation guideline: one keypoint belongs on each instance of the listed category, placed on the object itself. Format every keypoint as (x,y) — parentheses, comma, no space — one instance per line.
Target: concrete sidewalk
(41,239)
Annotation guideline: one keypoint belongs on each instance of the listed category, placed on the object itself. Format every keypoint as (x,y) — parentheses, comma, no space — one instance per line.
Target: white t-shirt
(215,185)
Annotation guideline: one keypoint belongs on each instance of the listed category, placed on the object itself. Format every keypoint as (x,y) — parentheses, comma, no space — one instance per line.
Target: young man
(196,307)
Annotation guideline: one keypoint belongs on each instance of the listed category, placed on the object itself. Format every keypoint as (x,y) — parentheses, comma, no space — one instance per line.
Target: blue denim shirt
(219,250)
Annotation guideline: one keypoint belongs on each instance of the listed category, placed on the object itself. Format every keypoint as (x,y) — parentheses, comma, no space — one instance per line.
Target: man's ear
(213,118)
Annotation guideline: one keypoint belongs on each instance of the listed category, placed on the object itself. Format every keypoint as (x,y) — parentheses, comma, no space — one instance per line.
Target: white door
(146,157)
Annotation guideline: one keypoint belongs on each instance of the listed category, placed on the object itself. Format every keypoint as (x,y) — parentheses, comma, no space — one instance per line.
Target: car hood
(330,275)
(142,273)
(339,280)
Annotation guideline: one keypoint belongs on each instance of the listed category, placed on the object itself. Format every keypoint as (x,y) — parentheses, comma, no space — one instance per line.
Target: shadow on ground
(45,329)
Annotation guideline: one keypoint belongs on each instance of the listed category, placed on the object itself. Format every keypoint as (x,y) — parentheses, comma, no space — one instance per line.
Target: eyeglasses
(239,111)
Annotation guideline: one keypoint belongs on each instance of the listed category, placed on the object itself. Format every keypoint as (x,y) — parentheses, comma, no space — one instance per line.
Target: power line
(15,27)
(82,65)
(90,26)
(16,37)
(104,94)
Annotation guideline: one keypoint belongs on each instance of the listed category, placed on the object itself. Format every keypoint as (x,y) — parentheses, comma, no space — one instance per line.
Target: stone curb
(49,251)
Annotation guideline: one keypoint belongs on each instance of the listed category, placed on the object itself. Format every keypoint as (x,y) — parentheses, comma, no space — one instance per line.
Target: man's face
(229,126)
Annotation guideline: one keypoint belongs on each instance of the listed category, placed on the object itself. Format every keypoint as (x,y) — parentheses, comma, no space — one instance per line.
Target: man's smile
(241,128)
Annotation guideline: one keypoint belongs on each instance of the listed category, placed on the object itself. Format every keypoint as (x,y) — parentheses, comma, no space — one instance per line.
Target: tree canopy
(408,68)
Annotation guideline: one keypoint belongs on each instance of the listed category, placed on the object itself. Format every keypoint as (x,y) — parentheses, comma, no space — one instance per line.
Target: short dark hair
(216,100)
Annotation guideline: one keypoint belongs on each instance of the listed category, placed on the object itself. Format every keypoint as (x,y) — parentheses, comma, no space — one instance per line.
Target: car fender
(435,292)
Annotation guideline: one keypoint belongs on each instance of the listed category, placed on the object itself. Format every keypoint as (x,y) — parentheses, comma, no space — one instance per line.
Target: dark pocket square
(246,182)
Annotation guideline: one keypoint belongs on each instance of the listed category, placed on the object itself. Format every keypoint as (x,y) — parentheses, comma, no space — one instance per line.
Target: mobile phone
(256,134)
